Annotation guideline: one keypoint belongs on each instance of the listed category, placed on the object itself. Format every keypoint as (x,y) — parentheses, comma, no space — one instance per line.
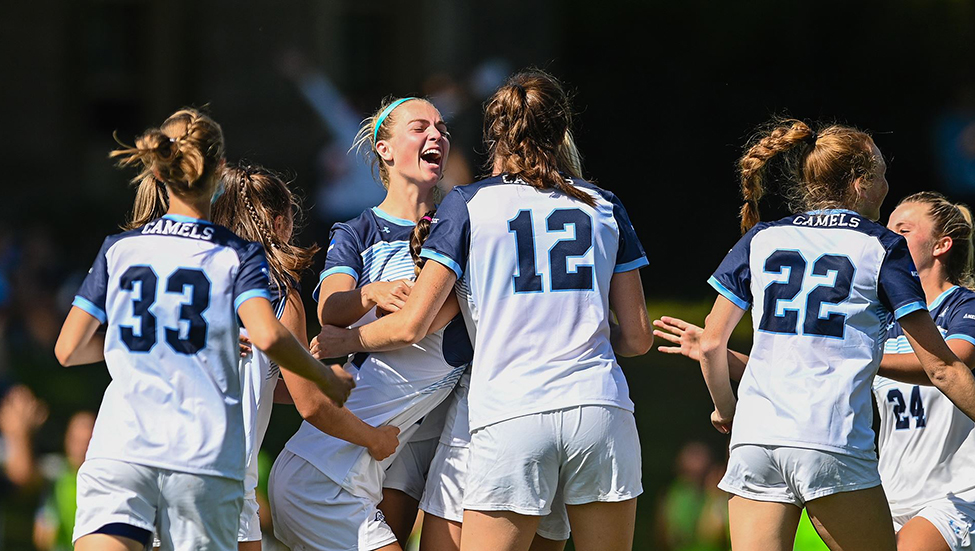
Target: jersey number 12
(528,279)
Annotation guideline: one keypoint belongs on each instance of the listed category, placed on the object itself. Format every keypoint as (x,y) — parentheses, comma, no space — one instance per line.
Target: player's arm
(80,342)
(907,368)
(341,303)
(269,335)
(946,371)
(632,336)
(402,328)
(724,316)
(687,337)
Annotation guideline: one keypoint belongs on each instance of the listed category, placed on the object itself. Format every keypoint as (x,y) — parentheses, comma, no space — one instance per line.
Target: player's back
(535,293)
(823,286)
(927,445)
(169,292)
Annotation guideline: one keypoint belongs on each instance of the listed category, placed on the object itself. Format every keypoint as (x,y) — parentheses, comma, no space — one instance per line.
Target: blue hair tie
(384,114)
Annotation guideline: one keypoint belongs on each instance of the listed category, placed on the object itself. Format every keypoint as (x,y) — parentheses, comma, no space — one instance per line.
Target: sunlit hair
(819,168)
(952,220)
(181,157)
(253,198)
(418,236)
(365,143)
(528,133)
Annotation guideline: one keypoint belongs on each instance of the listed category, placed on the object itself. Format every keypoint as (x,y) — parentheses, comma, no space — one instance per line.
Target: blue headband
(384,114)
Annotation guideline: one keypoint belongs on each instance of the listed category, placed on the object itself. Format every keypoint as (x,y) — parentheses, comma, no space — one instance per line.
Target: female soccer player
(168,444)
(927,474)
(539,257)
(257,205)
(368,271)
(823,283)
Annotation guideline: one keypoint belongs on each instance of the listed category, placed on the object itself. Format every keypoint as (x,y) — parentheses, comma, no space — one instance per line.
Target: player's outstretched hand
(720,422)
(385,439)
(340,384)
(21,413)
(686,336)
(388,295)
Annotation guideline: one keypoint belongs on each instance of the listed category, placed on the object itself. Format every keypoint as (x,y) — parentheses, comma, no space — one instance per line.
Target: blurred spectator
(679,516)
(54,522)
(21,414)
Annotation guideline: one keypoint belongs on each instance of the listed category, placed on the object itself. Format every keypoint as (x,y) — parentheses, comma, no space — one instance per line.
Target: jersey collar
(941,298)
(390,218)
(184,218)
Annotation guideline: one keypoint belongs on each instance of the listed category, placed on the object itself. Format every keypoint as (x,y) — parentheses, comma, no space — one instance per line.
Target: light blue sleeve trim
(247,295)
(726,293)
(89,306)
(961,336)
(339,270)
(632,265)
(908,308)
(443,259)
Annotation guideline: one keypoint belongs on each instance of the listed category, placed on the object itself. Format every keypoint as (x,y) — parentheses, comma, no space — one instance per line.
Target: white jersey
(398,387)
(822,286)
(534,268)
(457,428)
(169,292)
(259,377)
(927,445)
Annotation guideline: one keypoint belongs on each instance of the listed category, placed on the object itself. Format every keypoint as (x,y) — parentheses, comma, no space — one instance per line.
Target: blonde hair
(367,136)
(528,133)
(952,220)
(253,197)
(181,156)
(819,167)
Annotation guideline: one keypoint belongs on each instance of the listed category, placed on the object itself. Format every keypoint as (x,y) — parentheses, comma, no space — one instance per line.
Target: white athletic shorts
(408,471)
(444,494)
(954,517)
(586,453)
(312,512)
(794,475)
(192,511)
(249,527)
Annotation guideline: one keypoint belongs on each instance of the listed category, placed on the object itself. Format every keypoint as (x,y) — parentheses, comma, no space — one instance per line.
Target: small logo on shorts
(380,517)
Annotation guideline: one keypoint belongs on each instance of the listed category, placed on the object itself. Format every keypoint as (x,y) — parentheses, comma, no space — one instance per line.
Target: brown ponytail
(253,198)
(181,156)
(528,133)
(418,236)
(820,167)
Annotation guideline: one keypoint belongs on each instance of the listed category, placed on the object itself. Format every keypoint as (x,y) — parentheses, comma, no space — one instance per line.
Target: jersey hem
(443,259)
(909,308)
(632,265)
(169,466)
(247,295)
(547,409)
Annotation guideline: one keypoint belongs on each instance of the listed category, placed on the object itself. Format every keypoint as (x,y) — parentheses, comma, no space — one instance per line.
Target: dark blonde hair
(181,157)
(952,220)
(253,197)
(819,167)
(367,136)
(418,236)
(528,133)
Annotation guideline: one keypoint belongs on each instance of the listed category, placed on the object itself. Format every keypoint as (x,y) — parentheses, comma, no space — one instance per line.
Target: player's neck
(934,282)
(407,201)
(194,208)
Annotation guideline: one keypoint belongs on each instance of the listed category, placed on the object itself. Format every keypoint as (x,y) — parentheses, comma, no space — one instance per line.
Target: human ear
(942,245)
(385,152)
